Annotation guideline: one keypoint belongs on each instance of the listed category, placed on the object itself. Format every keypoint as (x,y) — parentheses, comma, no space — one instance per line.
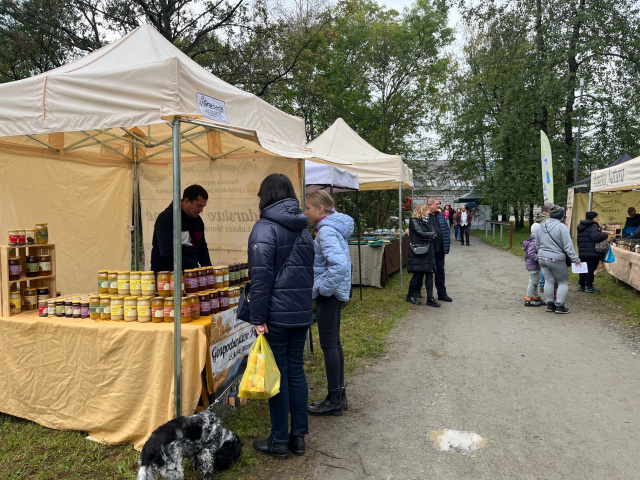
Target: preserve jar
(13,238)
(168,310)
(112,275)
(30,299)
(68,308)
(157,309)
(103,281)
(117,308)
(15,299)
(147,284)
(226,276)
(185,310)
(22,237)
(51,307)
(135,285)
(202,279)
(195,307)
(191,281)
(214,298)
(42,234)
(85,308)
(30,235)
(205,303)
(181,284)
(124,287)
(130,309)
(105,307)
(15,269)
(94,307)
(60,307)
(43,293)
(211,279)
(224,299)
(218,273)
(144,309)
(42,308)
(44,265)
(33,266)
(76,309)
(164,284)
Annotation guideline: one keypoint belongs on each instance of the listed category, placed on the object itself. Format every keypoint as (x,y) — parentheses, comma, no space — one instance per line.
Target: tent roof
(375,170)
(585,183)
(623,176)
(142,80)
(319,177)
(473,195)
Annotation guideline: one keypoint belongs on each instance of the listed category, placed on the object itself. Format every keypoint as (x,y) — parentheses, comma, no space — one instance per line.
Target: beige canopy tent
(72,139)
(375,170)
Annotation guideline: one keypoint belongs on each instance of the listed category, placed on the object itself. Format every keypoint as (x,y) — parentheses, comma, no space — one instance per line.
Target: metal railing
(493,224)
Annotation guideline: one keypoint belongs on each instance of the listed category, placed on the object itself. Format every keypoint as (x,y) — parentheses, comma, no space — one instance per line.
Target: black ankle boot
(410,299)
(332,405)
(269,447)
(296,443)
(345,405)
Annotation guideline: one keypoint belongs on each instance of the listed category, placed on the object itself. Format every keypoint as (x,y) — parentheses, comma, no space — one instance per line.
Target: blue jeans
(456,232)
(287,345)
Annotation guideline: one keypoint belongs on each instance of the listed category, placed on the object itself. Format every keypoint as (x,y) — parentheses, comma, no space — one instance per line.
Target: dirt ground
(551,396)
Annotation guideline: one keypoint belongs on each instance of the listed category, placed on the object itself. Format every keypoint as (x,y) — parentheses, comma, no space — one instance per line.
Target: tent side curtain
(319,176)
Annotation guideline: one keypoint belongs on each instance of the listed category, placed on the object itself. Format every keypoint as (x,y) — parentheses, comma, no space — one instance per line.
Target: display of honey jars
(135,286)
(164,284)
(15,269)
(144,309)
(42,233)
(130,309)
(147,284)
(168,310)
(44,262)
(32,266)
(157,309)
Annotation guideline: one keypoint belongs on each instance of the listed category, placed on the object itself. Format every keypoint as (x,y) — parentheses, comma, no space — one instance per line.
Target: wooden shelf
(21,251)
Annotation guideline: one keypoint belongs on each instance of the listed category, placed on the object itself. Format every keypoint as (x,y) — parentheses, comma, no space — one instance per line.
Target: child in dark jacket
(532,298)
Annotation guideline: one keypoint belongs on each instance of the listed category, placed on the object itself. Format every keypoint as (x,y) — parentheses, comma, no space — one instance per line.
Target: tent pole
(400,222)
(303,170)
(177,267)
(136,205)
(590,201)
(359,238)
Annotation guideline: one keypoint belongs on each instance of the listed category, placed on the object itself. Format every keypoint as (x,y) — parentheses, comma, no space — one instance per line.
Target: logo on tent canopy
(212,108)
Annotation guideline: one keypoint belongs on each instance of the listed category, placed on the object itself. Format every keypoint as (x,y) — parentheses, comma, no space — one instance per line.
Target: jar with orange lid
(214,299)
(195,307)
(157,309)
(218,273)
(144,309)
(168,309)
(191,280)
(94,307)
(147,284)
(224,299)
(112,275)
(124,285)
(225,280)
(130,309)
(164,284)
(15,269)
(211,278)
(205,303)
(185,309)
(117,308)
(135,287)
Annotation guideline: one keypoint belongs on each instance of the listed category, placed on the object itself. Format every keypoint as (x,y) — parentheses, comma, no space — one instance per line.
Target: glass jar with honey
(157,309)
(168,310)
(112,275)
(164,284)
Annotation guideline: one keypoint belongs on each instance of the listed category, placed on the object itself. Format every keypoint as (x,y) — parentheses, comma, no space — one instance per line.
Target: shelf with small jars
(28,274)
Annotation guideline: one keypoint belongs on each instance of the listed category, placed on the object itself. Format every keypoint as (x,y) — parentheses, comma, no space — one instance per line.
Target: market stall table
(113,380)
(378,263)
(626,267)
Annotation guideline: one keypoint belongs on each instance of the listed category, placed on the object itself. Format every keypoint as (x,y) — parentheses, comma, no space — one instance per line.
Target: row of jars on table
(36,266)
(140,309)
(192,280)
(630,245)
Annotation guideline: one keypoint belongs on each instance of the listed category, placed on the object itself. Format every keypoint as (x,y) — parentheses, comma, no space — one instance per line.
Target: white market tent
(625,176)
(323,176)
(375,170)
(74,140)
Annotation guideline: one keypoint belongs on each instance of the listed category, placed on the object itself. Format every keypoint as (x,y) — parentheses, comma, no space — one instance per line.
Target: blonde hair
(419,211)
(320,198)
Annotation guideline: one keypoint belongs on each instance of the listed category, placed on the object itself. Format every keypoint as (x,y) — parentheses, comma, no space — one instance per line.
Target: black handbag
(244,302)
(420,249)
(602,247)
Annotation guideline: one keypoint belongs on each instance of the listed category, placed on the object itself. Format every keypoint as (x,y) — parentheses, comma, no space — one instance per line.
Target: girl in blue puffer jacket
(331,287)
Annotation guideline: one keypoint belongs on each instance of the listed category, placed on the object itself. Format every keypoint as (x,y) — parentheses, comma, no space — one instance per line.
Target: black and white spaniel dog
(202,438)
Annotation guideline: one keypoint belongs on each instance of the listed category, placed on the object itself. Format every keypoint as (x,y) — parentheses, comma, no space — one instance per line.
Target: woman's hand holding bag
(261,378)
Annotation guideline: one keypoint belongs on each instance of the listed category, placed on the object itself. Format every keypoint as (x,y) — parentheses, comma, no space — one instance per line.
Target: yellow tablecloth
(112,380)
(626,267)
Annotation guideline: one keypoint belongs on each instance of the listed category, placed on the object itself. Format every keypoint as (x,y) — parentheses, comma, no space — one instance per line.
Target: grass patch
(30,451)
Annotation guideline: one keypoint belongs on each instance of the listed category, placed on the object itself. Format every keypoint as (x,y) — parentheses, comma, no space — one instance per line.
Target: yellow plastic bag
(261,379)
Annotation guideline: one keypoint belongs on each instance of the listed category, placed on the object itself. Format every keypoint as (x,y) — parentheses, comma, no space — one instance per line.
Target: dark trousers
(586,279)
(287,345)
(415,284)
(328,317)
(440,286)
(464,233)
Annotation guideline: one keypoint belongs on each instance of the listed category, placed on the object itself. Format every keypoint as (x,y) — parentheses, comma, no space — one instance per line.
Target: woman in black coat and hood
(588,235)
(421,265)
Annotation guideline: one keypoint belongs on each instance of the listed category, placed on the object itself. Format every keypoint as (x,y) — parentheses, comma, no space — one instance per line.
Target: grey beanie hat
(556,211)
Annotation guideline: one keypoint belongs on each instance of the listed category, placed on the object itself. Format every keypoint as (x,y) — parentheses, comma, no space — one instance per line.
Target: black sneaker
(591,290)
(445,298)
(432,302)
(551,307)
(580,288)
(561,309)
(413,301)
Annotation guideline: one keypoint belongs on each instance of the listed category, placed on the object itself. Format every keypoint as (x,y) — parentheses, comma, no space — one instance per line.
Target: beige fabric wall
(87,208)
(232,208)
(611,206)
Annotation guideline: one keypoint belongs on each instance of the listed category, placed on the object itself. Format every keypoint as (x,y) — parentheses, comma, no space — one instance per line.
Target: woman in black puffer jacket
(281,254)
(422,266)
(588,235)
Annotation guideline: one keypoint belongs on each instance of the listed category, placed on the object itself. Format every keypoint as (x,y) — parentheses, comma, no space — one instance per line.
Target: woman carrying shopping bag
(281,269)
(331,287)
(422,259)
(588,235)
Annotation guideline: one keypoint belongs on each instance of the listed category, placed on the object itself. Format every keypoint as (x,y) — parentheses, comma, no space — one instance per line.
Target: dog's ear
(227,453)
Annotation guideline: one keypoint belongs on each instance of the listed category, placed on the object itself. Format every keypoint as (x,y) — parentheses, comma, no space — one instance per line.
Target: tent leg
(177,266)
(136,207)
(359,238)
(401,229)
(590,201)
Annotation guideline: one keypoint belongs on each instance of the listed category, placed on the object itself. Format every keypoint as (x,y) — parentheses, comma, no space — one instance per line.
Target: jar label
(76,309)
(226,277)
(130,311)
(103,284)
(13,239)
(158,312)
(224,301)
(215,303)
(211,280)
(135,284)
(143,310)
(45,266)
(113,284)
(164,285)
(192,283)
(84,310)
(186,310)
(195,309)
(168,312)
(219,278)
(68,310)
(202,281)
(16,303)
(14,269)
(42,310)
(94,308)
(42,234)
(51,310)
(59,310)
(117,309)
(123,284)
(148,285)
(33,267)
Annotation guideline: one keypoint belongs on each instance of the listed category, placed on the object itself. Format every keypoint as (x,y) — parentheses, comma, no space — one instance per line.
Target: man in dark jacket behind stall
(195,252)
(440,245)
(588,235)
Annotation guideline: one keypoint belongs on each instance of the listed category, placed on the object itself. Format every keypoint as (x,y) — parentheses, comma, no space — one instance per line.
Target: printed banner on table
(547,168)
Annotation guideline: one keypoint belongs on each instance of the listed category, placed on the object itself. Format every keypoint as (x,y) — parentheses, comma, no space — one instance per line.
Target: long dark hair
(274,188)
